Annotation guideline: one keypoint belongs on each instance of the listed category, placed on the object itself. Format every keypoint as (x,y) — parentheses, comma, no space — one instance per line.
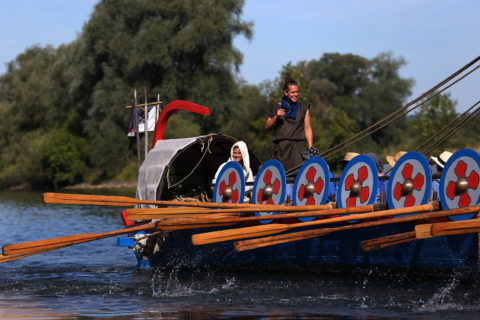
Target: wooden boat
(182,169)
(293,220)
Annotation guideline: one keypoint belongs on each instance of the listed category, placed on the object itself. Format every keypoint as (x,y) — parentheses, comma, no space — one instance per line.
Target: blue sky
(434,37)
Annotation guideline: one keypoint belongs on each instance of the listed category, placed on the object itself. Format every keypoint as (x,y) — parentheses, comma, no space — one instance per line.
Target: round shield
(311,184)
(230,185)
(459,183)
(358,183)
(410,182)
(269,186)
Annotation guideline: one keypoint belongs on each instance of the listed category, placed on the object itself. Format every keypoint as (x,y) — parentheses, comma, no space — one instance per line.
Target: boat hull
(340,249)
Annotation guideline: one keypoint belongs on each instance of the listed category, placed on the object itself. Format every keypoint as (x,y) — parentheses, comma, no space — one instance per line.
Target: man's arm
(308,129)
(271,121)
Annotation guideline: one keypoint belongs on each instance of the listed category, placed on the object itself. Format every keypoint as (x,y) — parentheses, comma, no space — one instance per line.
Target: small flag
(152,112)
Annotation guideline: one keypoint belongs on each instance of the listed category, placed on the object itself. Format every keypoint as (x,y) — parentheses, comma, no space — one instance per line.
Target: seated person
(440,162)
(382,185)
(239,153)
(348,156)
(332,189)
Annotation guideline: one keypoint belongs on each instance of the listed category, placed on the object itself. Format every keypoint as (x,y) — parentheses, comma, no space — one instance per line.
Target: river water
(98,280)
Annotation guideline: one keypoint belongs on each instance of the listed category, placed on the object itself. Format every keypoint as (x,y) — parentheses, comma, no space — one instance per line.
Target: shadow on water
(99,280)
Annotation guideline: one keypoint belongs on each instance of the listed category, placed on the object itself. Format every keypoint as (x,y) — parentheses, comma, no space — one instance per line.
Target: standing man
(290,120)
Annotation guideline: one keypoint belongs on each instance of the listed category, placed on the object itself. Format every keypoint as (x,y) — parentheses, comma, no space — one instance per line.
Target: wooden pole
(145,127)
(157,109)
(150,103)
(137,133)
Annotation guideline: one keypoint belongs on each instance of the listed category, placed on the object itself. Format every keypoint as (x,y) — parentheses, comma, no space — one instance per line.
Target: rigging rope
(424,146)
(436,93)
(427,93)
(196,166)
(455,129)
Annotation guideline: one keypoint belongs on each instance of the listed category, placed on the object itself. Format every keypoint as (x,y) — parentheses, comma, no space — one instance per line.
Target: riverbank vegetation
(63,119)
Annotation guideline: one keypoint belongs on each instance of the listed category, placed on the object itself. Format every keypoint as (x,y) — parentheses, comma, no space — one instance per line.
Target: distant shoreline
(86,186)
(104,185)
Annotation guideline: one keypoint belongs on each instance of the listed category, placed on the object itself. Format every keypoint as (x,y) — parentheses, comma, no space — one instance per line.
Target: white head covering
(246,162)
(242,146)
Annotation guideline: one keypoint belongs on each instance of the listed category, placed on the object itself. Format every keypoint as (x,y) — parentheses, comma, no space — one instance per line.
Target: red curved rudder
(169,110)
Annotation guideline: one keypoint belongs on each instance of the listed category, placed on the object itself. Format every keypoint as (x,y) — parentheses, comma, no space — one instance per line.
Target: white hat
(442,158)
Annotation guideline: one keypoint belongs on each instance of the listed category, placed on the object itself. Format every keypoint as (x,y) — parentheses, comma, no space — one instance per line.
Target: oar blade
(87,199)
(5,258)
(239,233)
(17,248)
(68,240)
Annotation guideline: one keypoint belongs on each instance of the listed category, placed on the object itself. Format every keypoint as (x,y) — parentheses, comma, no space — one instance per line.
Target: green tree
(366,90)
(183,49)
(249,124)
(432,117)
(27,88)
(62,159)
(28,109)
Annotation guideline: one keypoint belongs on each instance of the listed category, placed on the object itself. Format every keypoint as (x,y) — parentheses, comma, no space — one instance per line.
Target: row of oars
(429,230)
(193,215)
(194,212)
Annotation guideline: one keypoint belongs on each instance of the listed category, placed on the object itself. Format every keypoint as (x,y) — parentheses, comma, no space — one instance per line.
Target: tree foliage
(366,90)
(63,159)
(62,115)
(434,115)
(181,49)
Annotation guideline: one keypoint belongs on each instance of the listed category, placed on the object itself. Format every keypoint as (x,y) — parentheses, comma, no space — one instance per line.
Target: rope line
(427,93)
(191,172)
(424,146)
(455,129)
(433,95)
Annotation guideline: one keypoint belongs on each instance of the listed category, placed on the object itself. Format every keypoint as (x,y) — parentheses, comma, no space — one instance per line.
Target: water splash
(444,298)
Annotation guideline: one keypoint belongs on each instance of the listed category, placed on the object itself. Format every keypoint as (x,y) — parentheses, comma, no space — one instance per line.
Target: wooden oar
(210,220)
(302,235)
(16,256)
(455,227)
(171,216)
(213,217)
(62,242)
(250,232)
(88,199)
(188,216)
(152,213)
(383,242)
(423,231)
(42,244)
(218,218)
